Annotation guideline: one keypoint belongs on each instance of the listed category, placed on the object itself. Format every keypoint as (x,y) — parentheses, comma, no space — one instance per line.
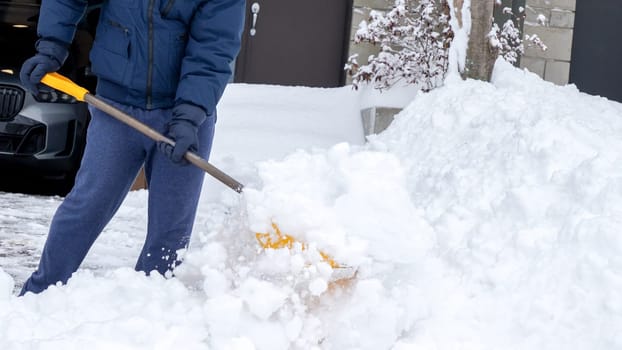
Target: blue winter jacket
(153,53)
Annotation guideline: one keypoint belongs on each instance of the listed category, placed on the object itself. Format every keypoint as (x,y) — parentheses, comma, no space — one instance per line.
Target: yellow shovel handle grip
(64,84)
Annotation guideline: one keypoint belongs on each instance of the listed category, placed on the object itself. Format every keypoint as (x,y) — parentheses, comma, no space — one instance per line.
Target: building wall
(553,64)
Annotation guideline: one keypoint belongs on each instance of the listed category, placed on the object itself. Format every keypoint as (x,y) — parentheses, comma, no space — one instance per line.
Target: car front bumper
(44,139)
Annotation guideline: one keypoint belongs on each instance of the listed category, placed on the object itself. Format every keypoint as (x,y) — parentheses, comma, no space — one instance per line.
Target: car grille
(11,101)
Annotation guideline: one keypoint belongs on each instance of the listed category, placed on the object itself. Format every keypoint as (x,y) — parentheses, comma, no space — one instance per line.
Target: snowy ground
(486,217)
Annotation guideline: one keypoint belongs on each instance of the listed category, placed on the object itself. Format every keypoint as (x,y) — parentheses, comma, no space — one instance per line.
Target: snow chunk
(318,286)
(6,286)
(261,297)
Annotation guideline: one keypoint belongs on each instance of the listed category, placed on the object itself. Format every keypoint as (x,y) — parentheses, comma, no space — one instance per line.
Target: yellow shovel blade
(278,240)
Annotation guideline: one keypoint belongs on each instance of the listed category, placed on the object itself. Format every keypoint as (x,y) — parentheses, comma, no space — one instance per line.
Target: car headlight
(54,96)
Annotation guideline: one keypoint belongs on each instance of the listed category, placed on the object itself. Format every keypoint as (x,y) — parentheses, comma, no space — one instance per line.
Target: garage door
(596,66)
(295,42)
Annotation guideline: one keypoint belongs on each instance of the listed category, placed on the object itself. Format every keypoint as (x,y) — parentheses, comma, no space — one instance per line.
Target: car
(42,137)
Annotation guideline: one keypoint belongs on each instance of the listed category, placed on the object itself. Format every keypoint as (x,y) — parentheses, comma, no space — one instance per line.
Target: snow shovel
(274,240)
(64,84)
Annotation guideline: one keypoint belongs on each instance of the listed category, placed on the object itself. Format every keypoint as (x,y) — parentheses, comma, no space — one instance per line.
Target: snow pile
(350,203)
(522,183)
(486,217)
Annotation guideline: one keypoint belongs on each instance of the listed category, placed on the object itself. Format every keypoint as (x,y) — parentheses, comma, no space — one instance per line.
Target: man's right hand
(35,68)
(183,128)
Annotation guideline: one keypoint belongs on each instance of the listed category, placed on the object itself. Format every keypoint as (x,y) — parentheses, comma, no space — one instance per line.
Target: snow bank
(522,183)
(486,217)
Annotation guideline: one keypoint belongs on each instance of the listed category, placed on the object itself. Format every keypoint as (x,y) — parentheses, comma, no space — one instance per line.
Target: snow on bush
(414,38)
(507,39)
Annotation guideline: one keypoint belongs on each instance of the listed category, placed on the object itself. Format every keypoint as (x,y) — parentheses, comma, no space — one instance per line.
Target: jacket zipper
(150,54)
(168,7)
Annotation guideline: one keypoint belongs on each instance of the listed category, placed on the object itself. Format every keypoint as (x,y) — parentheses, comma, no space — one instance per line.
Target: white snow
(486,217)
(6,286)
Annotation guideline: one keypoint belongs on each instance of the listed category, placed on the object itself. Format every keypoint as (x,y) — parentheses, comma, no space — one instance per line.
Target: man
(165,62)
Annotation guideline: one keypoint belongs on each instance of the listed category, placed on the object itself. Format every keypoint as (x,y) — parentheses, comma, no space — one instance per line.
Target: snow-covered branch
(508,40)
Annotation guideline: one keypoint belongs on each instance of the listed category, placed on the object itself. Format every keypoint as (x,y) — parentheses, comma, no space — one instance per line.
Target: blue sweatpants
(113,156)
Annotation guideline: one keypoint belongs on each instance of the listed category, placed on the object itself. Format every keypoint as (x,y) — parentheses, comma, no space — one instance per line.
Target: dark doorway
(596,66)
(301,42)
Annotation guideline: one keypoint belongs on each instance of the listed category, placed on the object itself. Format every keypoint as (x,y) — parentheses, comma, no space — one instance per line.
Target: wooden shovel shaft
(156,136)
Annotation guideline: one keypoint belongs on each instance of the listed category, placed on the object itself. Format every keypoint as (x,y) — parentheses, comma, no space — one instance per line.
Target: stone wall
(553,64)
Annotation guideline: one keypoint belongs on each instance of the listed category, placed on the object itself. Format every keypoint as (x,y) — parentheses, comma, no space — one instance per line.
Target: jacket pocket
(176,52)
(110,55)
(130,4)
(165,7)
(178,10)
